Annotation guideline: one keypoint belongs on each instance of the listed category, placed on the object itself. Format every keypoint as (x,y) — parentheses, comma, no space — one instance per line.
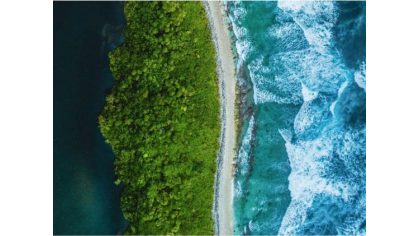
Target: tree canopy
(162,118)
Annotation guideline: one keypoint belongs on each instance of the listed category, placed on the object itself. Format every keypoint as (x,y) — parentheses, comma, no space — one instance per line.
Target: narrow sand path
(223,210)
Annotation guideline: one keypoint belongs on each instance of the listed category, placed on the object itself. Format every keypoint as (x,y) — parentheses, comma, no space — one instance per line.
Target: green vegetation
(162,118)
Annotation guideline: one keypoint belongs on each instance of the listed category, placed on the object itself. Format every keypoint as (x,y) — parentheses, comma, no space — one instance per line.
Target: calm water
(85,199)
(302,160)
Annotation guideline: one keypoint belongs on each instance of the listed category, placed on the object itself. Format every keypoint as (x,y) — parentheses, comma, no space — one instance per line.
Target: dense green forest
(162,118)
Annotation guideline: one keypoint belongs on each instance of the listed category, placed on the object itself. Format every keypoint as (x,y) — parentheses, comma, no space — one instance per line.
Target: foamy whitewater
(302,156)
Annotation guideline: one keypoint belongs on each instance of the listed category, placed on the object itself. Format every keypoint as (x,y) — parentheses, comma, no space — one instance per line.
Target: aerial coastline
(223,208)
(210,118)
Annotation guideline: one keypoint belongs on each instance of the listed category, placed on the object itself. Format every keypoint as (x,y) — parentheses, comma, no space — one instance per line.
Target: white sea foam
(360,76)
(304,66)
(272,88)
(319,69)
(237,192)
(352,143)
(300,65)
(286,135)
(307,179)
(307,68)
(239,12)
(323,72)
(244,150)
(304,119)
(316,18)
(308,95)
(310,177)
(243,46)
(311,118)
(343,86)
(260,95)
(288,29)
(332,107)
(253,226)
(288,35)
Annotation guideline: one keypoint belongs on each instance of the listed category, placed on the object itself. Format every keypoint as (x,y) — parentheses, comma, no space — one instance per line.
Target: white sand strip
(223,208)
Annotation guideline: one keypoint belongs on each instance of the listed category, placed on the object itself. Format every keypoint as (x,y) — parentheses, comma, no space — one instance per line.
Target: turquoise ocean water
(302,156)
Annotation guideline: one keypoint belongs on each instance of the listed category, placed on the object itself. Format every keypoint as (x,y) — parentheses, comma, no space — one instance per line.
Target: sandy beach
(223,208)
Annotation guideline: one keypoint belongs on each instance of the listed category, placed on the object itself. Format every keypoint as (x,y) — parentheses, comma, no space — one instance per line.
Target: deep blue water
(86,201)
(302,159)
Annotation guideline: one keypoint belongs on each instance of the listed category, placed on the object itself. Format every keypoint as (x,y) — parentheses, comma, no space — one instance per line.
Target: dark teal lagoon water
(86,201)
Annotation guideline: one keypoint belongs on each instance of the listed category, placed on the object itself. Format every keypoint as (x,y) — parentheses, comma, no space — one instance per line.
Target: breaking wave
(327,155)
(307,66)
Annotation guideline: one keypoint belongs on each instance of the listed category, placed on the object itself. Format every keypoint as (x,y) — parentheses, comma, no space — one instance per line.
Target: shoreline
(223,201)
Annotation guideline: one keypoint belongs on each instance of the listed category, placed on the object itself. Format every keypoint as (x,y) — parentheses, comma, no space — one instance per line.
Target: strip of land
(162,118)
(223,212)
